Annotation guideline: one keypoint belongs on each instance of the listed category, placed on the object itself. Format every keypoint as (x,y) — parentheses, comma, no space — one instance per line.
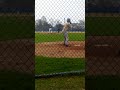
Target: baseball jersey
(66,27)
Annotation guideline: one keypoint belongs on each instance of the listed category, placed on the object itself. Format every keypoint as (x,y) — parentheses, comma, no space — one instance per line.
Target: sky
(60,9)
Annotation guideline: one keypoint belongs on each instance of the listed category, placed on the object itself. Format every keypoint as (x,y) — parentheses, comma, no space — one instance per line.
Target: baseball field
(53,57)
(15,30)
(98,26)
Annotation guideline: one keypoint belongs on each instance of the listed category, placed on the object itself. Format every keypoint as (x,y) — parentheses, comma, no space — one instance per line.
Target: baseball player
(66,28)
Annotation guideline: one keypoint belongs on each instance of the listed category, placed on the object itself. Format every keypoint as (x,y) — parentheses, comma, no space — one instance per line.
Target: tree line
(56,25)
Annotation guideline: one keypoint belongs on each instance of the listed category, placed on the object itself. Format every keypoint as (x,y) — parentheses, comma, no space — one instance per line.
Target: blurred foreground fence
(17,50)
(102,45)
(102,54)
(17,42)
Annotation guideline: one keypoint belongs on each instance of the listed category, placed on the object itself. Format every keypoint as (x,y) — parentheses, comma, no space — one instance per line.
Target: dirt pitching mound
(57,49)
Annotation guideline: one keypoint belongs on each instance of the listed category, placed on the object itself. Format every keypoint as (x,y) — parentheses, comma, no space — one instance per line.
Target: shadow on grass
(102,82)
(61,83)
(16,81)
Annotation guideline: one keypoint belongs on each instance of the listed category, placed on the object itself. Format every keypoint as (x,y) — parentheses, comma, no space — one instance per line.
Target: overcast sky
(60,9)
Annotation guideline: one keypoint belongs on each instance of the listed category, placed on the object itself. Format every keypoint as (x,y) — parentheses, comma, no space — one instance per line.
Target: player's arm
(63,29)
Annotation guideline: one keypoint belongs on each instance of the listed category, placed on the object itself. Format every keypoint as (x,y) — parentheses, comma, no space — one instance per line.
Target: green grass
(44,65)
(102,26)
(61,83)
(107,82)
(10,80)
(52,37)
(15,27)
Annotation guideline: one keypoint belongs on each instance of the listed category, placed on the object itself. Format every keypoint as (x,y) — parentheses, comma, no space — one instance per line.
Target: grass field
(54,37)
(15,27)
(102,26)
(44,65)
(61,83)
(53,65)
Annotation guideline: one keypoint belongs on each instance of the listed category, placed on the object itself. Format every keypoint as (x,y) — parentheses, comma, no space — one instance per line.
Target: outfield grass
(10,80)
(44,65)
(102,26)
(15,27)
(61,83)
(52,37)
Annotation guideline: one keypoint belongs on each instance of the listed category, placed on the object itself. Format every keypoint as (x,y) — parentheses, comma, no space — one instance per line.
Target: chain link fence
(52,56)
(17,42)
(102,44)
(104,58)
(16,45)
(58,54)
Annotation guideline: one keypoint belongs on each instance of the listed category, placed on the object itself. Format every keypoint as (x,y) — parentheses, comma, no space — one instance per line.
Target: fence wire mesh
(102,44)
(52,57)
(17,43)
(104,58)
(58,52)
(102,22)
(16,46)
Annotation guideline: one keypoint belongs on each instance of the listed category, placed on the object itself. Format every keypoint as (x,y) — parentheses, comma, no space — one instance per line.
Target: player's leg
(66,39)
(64,34)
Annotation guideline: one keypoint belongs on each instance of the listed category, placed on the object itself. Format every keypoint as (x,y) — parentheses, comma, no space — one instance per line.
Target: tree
(81,22)
(58,25)
(51,22)
(43,19)
(38,25)
(82,25)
